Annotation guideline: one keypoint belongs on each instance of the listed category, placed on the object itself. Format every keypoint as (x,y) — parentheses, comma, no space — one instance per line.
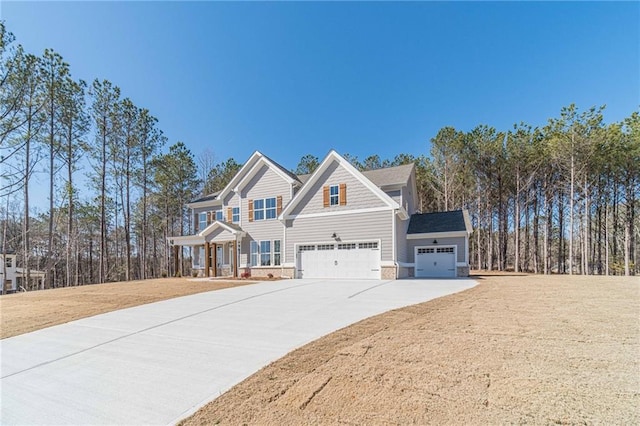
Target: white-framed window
(326,246)
(201,257)
(264,208)
(306,248)
(262,254)
(276,253)
(265,253)
(371,245)
(235,215)
(334,195)
(444,250)
(202,221)
(347,246)
(9,262)
(219,215)
(425,250)
(254,253)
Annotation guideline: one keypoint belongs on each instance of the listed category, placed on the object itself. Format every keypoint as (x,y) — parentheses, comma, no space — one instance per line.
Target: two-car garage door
(339,260)
(435,262)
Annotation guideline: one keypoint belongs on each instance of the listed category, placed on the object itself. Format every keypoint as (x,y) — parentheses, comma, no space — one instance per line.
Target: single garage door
(339,260)
(435,262)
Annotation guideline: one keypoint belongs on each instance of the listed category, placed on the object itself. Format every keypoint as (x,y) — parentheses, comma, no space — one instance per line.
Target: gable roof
(209,197)
(397,175)
(282,169)
(439,222)
(331,157)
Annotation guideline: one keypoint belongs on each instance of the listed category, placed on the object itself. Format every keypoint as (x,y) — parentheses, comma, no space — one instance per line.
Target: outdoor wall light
(435,241)
(334,235)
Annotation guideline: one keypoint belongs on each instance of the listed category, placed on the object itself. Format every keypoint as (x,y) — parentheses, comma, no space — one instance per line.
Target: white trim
(394,255)
(207,203)
(437,246)
(187,240)
(216,223)
(387,263)
(334,156)
(450,234)
(288,265)
(336,213)
(462,264)
(467,221)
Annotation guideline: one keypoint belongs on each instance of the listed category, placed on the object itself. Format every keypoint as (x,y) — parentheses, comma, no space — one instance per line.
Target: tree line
(561,198)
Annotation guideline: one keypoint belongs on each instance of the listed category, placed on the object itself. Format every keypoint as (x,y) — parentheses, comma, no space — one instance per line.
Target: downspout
(394,251)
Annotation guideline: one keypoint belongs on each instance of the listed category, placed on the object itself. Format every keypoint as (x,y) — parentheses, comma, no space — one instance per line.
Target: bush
(163,275)
(194,274)
(270,276)
(245,275)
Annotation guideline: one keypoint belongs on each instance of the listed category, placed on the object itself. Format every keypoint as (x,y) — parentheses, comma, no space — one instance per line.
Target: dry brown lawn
(24,312)
(514,349)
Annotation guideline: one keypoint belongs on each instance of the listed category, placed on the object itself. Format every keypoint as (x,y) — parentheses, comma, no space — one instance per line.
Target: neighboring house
(337,222)
(15,277)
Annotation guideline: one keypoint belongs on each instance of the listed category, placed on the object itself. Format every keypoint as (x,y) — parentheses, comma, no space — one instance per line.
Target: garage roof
(428,223)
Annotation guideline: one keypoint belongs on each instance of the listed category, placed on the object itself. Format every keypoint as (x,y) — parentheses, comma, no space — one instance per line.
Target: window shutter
(229,214)
(343,194)
(279,205)
(325,196)
(250,210)
(209,220)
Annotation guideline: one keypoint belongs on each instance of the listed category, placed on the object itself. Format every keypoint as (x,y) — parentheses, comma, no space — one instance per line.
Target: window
(306,248)
(444,250)
(201,259)
(9,262)
(265,253)
(202,221)
(346,246)
(271,208)
(235,215)
(261,254)
(219,215)
(373,245)
(425,250)
(276,253)
(334,198)
(254,253)
(264,209)
(326,246)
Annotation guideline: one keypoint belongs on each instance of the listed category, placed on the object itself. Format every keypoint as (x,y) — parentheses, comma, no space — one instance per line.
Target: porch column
(176,260)
(234,244)
(215,260)
(206,258)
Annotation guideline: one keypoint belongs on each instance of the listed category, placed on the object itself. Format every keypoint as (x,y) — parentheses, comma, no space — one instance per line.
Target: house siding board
(458,241)
(358,195)
(369,226)
(401,239)
(265,184)
(396,196)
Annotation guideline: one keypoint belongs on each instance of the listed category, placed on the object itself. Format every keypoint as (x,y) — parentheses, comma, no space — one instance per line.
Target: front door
(219,262)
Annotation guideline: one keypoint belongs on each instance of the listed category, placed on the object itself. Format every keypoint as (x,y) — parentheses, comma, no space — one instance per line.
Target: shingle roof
(209,197)
(397,175)
(425,223)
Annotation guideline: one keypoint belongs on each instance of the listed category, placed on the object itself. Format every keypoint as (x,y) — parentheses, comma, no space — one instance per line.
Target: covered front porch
(215,250)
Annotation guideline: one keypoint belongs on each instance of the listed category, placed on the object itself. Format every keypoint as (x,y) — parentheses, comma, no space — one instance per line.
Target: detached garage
(439,243)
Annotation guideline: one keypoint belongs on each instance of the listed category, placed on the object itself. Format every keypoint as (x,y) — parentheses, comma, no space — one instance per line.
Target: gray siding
(458,241)
(370,226)
(358,195)
(401,240)
(396,196)
(265,184)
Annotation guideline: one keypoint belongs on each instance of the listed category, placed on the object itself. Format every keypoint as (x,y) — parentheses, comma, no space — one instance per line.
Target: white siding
(395,195)
(358,195)
(370,226)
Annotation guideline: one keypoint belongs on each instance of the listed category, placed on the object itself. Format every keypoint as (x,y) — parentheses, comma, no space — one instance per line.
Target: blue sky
(291,79)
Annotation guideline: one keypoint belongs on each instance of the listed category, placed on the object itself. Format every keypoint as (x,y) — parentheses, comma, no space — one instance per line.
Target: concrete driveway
(157,363)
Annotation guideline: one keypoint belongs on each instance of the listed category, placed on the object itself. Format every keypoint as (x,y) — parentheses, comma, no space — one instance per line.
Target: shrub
(270,276)
(163,275)
(245,275)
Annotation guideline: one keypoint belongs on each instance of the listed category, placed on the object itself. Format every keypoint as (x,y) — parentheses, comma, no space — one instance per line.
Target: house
(12,277)
(337,222)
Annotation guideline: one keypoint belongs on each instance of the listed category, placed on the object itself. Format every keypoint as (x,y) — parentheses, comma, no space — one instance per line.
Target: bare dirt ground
(24,312)
(514,349)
